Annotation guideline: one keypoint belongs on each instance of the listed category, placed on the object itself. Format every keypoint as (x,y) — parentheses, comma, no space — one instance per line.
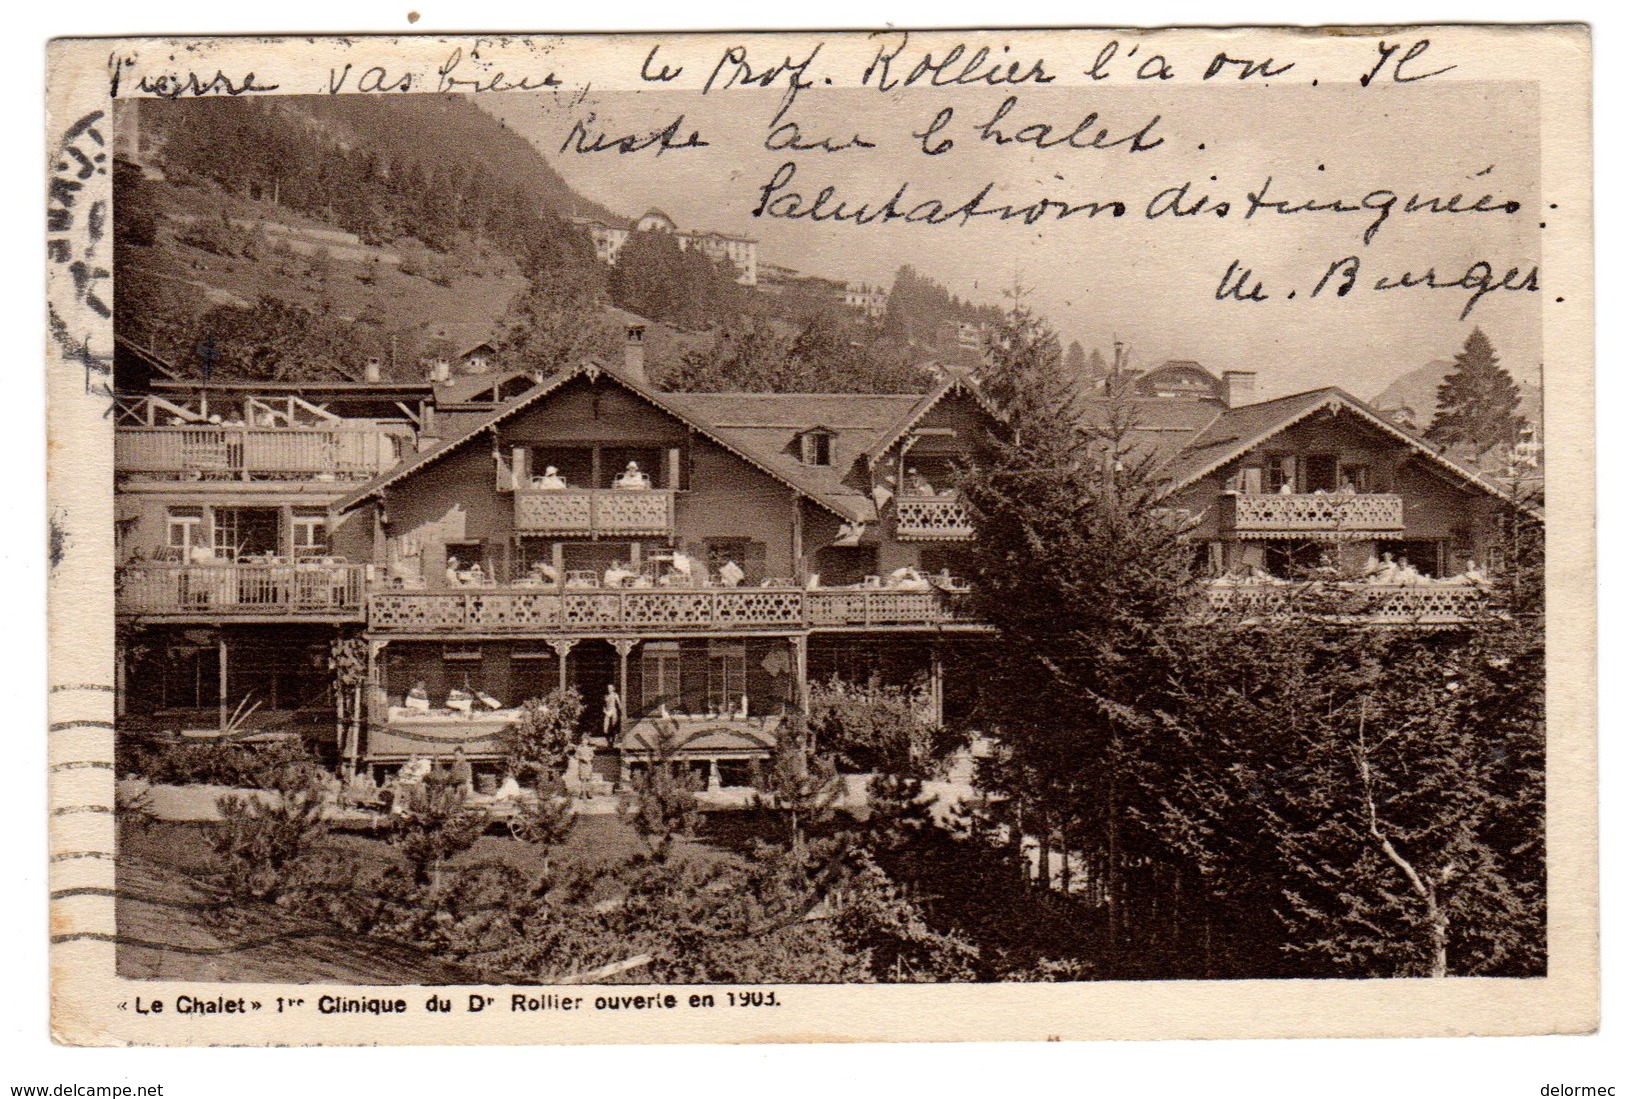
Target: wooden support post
(221,643)
(936,684)
(798,650)
(798,563)
(623,649)
(562,646)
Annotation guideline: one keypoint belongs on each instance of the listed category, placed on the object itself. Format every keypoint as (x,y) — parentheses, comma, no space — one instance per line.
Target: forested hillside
(299,237)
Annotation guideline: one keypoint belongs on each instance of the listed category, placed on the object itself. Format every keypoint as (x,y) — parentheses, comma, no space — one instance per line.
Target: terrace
(323,590)
(230,453)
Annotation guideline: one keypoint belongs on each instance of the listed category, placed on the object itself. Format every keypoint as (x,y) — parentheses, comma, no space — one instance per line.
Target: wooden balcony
(314,591)
(1349,514)
(217,453)
(498,609)
(1398,604)
(619,512)
(933,519)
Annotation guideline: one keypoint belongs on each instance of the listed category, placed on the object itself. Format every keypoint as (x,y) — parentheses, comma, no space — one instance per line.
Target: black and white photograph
(680,523)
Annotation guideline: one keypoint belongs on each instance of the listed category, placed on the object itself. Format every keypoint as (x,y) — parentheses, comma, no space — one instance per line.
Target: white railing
(310,588)
(252,454)
(1379,513)
(594,511)
(499,608)
(933,518)
(1425,603)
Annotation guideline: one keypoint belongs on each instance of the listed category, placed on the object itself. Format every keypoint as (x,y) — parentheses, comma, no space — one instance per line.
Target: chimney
(374,371)
(1238,387)
(634,354)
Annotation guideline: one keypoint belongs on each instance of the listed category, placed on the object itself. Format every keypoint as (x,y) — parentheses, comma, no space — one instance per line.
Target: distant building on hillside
(608,239)
(872,301)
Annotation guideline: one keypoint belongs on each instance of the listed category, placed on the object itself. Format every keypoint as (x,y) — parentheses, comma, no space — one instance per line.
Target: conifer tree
(1478,401)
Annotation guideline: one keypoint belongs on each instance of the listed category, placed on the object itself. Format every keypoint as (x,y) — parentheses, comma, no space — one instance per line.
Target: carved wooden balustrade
(1421,604)
(324,591)
(594,511)
(639,609)
(933,518)
(1260,514)
(220,453)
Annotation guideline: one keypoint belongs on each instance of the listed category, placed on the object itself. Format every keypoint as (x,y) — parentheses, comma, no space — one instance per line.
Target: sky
(1150,282)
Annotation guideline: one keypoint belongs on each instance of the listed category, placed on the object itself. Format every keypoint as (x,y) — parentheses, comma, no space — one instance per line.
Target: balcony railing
(933,518)
(499,609)
(243,590)
(594,511)
(217,453)
(1428,603)
(1263,514)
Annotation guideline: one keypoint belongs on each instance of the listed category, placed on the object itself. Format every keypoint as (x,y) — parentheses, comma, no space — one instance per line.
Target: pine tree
(1478,401)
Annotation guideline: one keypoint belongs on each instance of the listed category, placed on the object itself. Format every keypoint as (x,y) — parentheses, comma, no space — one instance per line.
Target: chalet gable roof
(1235,431)
(953,382)
(845,506)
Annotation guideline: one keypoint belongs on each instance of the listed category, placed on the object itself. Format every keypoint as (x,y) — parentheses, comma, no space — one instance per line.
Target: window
(1278,472)
(1319,473)
(310,533)
(1290,560)
(815,448)
(725,676)
(839,566)
(185,529)
(243,532)
(662,677)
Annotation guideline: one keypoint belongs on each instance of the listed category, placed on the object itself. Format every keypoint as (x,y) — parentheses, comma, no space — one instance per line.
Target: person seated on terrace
(1472,574)
(730,574)
(1382,572)
(474,574)
(201,555)
(917,485)
(508,789)
(462,772)
(453,571)
(618,575)
(682,566)
(550,479)
(632,477)
(418,697)
(1407,573)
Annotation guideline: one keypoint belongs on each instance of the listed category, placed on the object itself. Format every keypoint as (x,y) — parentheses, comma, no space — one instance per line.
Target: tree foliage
(546,732)
(1478,402)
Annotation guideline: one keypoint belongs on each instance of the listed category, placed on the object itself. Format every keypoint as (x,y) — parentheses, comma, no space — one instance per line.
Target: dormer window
(815,447)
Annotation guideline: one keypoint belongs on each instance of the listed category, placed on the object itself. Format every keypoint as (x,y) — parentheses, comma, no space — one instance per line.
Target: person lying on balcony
(418,697)
(908,578)
(632,477)
(618,575)
(1347,487)
(461,701)
(549,479)
(487,701)
(730,574)
(1407,573)
(474,575)
(541,570)
(1385,571)
(203,555)
(917,485)
(1286,487)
